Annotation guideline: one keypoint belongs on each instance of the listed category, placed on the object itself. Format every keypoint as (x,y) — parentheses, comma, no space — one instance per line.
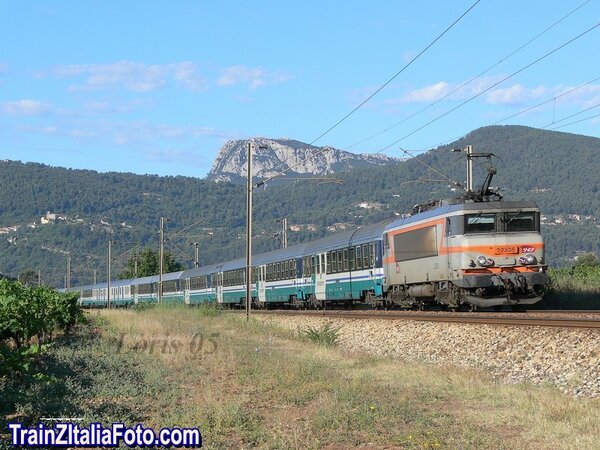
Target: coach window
(345,258)
(365,256)
(480,223)
(328,269)
(334,261)
(358,257)
(351,258)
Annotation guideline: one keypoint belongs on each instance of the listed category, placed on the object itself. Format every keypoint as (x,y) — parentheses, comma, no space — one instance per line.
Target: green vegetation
(146,263)
(557,170)
(576,287)
(27,313)
(326,335)
(255,385)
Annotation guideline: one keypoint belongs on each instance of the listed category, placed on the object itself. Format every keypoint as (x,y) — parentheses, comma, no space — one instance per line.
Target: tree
(148,264)
(587,259)
(29,277)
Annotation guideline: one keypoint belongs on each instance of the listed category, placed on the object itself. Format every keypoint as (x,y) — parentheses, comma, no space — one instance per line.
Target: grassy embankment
(576,287)
(249,385)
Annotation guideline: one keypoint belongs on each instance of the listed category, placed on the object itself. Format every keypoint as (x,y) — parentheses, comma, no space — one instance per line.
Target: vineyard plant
(29,318)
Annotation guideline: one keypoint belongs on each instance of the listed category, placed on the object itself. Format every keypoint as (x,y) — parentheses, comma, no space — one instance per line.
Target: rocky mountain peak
(272,156)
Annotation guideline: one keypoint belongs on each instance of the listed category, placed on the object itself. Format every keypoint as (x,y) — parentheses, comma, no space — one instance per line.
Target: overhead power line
(331,128)
(470,81)
(577,121)
(546,101)
(397,73)
(489,88)
(523,111)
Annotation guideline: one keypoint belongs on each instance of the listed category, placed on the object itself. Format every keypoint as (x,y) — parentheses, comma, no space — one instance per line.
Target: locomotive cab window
(520,221)
(480,223)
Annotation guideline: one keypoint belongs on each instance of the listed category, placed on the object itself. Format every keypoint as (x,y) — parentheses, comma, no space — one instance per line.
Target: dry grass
(254,385)
(259,386)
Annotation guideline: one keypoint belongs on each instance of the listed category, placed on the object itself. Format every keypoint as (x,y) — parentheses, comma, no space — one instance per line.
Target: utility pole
(95,276)
(471,155)
(68,283)
(109,272)
(39,278)
(196,254)
(161,255)
(249,235)
(469,168)
(284,233)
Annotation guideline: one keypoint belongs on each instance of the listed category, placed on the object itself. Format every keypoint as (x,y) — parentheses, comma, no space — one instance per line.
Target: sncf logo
(528,249)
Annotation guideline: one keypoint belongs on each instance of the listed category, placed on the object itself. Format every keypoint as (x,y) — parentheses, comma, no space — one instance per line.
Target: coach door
(185,285)
(262,277)
(219,287)
(320,276)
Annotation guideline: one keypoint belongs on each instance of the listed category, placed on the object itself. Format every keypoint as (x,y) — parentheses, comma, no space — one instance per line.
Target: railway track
(530,319)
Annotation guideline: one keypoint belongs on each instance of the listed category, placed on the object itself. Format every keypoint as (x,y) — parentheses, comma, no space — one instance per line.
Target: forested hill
(557,170)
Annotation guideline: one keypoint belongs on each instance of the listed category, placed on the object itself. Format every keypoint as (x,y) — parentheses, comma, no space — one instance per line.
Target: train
(470,252)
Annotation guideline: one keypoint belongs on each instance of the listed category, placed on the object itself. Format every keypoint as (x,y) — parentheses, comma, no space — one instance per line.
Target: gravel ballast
(568,358)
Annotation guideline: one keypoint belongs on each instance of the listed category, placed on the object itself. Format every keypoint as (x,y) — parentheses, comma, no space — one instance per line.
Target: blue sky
(157,87)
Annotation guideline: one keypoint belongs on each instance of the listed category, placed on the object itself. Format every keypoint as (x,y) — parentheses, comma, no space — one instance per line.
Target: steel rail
(468,318)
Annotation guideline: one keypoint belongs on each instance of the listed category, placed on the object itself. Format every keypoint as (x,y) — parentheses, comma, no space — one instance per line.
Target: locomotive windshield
(519,221)
(510,222)
(480,223)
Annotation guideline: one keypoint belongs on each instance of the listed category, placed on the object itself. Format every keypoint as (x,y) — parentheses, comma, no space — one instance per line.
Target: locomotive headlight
(527,260)
(485,262)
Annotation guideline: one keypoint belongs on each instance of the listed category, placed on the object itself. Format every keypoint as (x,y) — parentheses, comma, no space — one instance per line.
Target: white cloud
(516,94)
(444,90)
(254,77)
(186,74)
(133,76)
(429,93)
(138,134)
(519,95)
(26,107)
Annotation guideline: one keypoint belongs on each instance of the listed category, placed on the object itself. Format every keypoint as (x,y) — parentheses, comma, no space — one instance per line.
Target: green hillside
(557,170)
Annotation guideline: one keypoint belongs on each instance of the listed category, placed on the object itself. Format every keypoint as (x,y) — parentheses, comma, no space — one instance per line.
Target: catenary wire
(469,81)
(488,88)
(375,92)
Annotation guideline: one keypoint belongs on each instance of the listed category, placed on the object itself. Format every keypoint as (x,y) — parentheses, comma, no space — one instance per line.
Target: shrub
(326,335)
